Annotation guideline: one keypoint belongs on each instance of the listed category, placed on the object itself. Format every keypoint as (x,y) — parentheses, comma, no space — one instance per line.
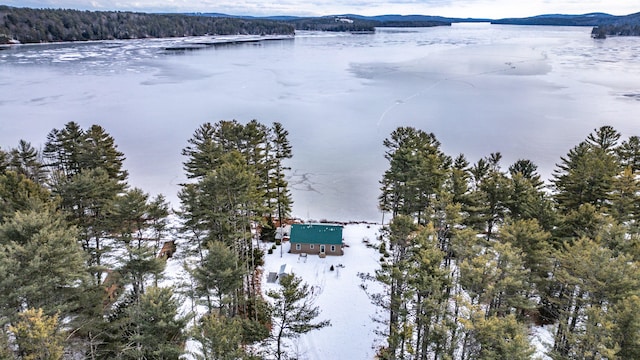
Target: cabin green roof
(316,234)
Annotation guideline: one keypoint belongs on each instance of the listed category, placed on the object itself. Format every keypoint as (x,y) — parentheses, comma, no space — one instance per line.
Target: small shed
(321,239)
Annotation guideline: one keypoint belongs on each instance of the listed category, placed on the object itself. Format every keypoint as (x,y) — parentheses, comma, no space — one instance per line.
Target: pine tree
(86,199)
(5,349)
(534,242)
(38,336)
(526,197)
(17,193)
(430,281)
(98,150)
(593,281)
(158,330)
(220,337)
(63,149)
(133,216)
(500,338)
(627,327)
(87,175)
(586,174)
(489,198)
(394,275)
(293,312)
(629,153)
(218,276)
(282,151)
(72,149)
(417,171)
(458,183)
(605,138)
(43,266)
(203,152)
(625,199)
(25,160)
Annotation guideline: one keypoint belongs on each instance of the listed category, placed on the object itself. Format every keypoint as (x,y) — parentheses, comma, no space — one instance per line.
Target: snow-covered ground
(339,294)
(352,334)
(542,340)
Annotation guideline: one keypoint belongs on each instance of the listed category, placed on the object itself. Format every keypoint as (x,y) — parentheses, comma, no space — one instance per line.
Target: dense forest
(628,25)
(357,24)
(48,25)
(82,254)
(475,257)
(602,31)
(478,255)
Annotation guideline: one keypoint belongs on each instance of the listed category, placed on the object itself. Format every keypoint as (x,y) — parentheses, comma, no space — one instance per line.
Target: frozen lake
(527,92)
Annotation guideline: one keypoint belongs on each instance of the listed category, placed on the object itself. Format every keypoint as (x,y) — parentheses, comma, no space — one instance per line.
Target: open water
(527,92)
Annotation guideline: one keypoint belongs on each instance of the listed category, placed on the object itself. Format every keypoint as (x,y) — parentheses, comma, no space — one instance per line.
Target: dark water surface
(528,92)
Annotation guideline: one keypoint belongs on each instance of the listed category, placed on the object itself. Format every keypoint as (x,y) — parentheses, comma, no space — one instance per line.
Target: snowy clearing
(352,334)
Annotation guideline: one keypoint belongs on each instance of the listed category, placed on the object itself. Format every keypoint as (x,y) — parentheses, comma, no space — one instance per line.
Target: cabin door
(321,248)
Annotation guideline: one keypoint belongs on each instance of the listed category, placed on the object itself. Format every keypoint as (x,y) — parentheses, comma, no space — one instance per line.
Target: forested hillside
(358,23)
(622,26)
(47,25)
(478,255)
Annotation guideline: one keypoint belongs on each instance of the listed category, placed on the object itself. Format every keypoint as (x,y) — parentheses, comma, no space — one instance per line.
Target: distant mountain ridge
(604,24)
(50,25)
(590,19)
(352,22)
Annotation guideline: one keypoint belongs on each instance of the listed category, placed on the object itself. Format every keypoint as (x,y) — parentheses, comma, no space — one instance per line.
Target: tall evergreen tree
(593,282)
(202,153)
(98,150)
(430,281)
(417,171)
(63,149)
(220,337)
(500,338)
(281,151)
(586,174)
(42,264)
(293,312)
(72,149)
(158,330)
(629,153)
(134,218)
(537,250)
(394,275)
(86,199)
(219,276)
(17,193)
(625,199)
(25,160)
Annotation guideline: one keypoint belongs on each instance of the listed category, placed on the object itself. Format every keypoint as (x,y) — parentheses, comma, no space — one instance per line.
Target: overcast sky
(453,8)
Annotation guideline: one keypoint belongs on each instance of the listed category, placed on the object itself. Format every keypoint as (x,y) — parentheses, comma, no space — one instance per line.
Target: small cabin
(321,239)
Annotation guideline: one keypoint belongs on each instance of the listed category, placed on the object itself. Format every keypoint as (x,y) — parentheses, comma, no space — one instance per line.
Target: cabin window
(297,246)
(333,248)
(311,246)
